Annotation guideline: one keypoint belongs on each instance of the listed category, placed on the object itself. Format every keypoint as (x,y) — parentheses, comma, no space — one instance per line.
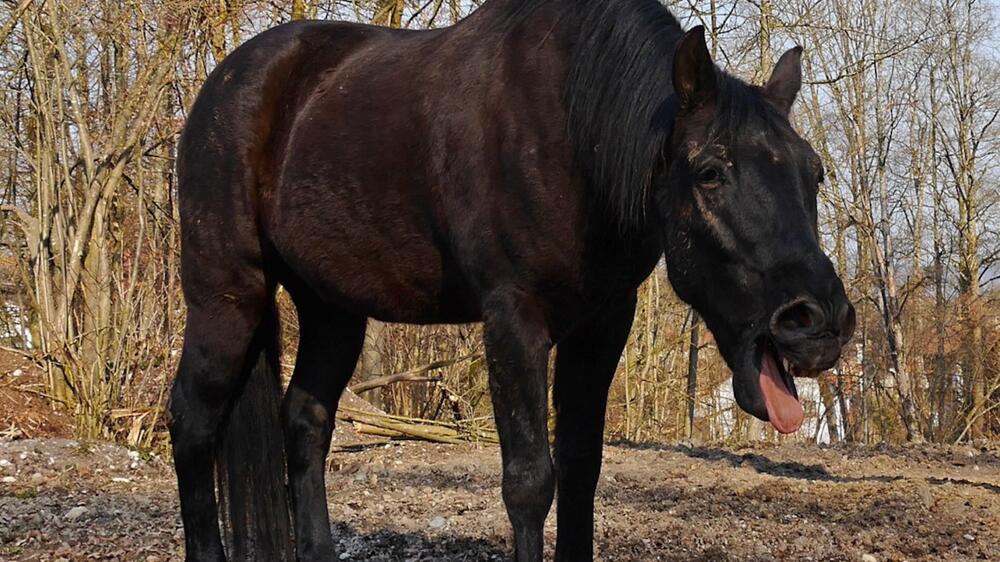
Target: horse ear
(786,80)
(694,71)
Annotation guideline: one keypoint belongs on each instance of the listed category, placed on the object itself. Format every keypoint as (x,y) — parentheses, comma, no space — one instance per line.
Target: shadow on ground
(815,472)
(394,546)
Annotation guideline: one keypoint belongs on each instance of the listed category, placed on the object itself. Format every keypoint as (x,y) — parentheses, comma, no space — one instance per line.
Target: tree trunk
(692,372)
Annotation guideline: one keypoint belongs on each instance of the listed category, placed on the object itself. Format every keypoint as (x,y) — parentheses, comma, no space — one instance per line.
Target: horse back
(401,175)
(424,169)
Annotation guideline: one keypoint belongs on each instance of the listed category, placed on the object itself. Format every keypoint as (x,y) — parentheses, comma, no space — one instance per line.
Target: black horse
(525,168)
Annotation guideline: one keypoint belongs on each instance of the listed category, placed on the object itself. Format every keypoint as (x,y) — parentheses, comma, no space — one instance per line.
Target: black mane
(618,81)
(619,96)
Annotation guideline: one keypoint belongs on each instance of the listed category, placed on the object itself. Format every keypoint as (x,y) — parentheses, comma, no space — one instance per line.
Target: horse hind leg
(218,338)
(330,342)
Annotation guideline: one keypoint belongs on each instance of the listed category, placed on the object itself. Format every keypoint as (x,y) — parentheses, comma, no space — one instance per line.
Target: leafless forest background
(902,101)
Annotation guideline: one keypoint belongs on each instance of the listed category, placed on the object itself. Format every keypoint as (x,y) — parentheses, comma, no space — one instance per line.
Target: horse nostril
(846,320)
(797,318)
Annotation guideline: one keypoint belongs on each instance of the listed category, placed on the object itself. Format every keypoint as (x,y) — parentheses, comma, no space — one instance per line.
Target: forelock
(743,112)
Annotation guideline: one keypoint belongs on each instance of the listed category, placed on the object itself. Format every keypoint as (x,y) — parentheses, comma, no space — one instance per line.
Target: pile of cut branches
(370,420)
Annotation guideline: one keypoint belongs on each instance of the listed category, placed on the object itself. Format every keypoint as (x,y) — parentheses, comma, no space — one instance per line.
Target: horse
(526,168)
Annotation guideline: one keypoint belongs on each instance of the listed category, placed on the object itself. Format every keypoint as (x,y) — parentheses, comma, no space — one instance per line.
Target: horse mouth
(777,385)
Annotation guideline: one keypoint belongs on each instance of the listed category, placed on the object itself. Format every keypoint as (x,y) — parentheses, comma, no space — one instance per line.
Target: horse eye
(709,178)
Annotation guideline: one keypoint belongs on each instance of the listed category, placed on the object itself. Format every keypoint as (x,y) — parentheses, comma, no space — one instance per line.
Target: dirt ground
(67,500)
(406,501)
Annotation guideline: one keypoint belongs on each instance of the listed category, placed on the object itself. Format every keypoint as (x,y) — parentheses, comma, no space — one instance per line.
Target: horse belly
(370,252)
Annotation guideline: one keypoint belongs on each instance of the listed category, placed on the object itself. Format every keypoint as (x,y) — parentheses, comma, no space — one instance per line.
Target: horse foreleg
(585,364)
(329,344)
(517,347)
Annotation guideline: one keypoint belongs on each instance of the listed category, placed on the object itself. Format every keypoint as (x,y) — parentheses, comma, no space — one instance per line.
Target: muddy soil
(406,501)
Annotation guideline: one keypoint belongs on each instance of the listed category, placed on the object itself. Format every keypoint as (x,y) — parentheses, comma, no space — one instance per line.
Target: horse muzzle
(809,335)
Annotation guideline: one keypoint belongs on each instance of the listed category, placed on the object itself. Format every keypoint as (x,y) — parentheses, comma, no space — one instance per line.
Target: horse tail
(250,459)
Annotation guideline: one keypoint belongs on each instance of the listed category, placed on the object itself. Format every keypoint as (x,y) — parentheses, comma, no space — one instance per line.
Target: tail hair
(250,459)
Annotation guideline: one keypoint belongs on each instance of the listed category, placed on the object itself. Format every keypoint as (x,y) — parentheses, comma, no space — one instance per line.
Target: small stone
(438,522)
(9,480)
(344,556)
(925,497)
(868,558)
(76,512)
(37,477)
(17,373)
(969,537)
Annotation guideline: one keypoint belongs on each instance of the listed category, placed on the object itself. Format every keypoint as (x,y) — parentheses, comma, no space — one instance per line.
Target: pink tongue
(783,408)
